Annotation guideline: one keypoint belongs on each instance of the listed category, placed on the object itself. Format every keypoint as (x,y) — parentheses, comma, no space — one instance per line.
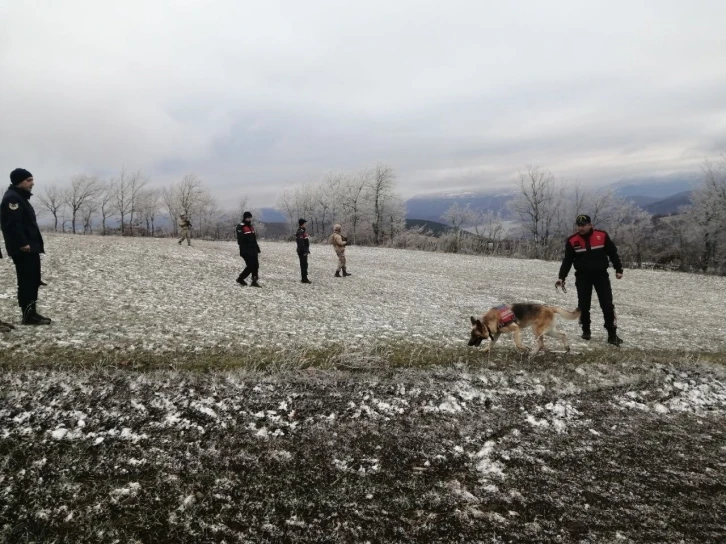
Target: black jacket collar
(22,192)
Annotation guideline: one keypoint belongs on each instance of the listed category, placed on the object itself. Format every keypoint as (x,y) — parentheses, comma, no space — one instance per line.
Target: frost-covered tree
(82,190)
(536,205)
(459,217)
(708,216)
(52,200)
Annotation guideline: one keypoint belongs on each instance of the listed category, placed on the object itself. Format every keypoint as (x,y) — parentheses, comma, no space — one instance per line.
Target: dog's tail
(574,314)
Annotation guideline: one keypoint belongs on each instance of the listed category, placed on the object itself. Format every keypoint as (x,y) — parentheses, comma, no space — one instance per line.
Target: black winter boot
(345,273)
(305,280)
(337,274)
(586,334)
(32,317)
(613,337)
(254,283)
(42,320)
(241,281)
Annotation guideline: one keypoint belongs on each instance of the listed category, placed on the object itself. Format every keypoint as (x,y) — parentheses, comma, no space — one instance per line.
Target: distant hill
(642,200)
(662,196)
(670,205)
(436,228)
(432,207)
(657,187)
(271,215)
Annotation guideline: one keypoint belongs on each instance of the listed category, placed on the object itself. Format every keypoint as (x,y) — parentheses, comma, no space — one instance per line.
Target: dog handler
(589,250)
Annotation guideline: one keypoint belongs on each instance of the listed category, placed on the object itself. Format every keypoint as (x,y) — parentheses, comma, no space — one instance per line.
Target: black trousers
(303,265)
(252,266)
(27,268)
(601,283)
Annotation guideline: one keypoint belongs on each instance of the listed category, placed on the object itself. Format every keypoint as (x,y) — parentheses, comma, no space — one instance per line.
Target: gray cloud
(254,98)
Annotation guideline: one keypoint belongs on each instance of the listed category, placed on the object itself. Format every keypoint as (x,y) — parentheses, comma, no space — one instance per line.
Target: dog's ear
(478,324)
(473,321)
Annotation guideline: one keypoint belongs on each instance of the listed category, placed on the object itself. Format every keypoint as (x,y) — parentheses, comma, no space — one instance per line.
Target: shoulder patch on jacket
(13,206)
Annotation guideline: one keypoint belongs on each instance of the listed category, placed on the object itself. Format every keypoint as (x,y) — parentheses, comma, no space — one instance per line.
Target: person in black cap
(589,250)
(303,249)
(248,250)
(23,242)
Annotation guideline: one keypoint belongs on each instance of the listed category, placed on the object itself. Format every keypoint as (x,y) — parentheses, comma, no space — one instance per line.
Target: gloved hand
(259,250)
(560,283)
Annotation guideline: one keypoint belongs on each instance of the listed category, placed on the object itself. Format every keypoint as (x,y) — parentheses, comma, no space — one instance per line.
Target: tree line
(535,224)
(365,202)
(541,216)
(126,205)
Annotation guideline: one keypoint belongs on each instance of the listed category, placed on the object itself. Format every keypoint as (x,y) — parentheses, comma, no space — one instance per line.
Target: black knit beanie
(19,175)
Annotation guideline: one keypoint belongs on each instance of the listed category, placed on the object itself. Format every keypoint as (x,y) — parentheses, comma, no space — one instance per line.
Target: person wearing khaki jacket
(339,242)
(184,226)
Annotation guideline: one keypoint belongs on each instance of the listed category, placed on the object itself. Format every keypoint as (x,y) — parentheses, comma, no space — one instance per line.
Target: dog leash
(557,287)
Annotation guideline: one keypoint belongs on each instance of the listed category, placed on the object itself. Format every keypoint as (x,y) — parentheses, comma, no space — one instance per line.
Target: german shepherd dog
(541,318)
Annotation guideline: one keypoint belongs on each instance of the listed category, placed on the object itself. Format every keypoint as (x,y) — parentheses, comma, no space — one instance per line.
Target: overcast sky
(457,95)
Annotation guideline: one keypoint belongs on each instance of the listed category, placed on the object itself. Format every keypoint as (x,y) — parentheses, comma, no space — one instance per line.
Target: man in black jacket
(303,249)
(248,249)
(589,250)
(23,242)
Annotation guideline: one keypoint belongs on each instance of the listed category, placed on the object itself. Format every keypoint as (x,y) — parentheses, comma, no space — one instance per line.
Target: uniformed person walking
(303,249)
(589,250)
(184,227)
(339,243)
(23,242)
(248,250)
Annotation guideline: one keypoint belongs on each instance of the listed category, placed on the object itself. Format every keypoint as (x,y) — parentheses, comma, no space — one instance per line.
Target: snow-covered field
(601,446)
(152,294)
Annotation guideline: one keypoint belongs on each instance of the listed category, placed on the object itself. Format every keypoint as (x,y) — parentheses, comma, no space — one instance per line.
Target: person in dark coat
(23,242)
(589,250)
(303,249)
(248,250)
